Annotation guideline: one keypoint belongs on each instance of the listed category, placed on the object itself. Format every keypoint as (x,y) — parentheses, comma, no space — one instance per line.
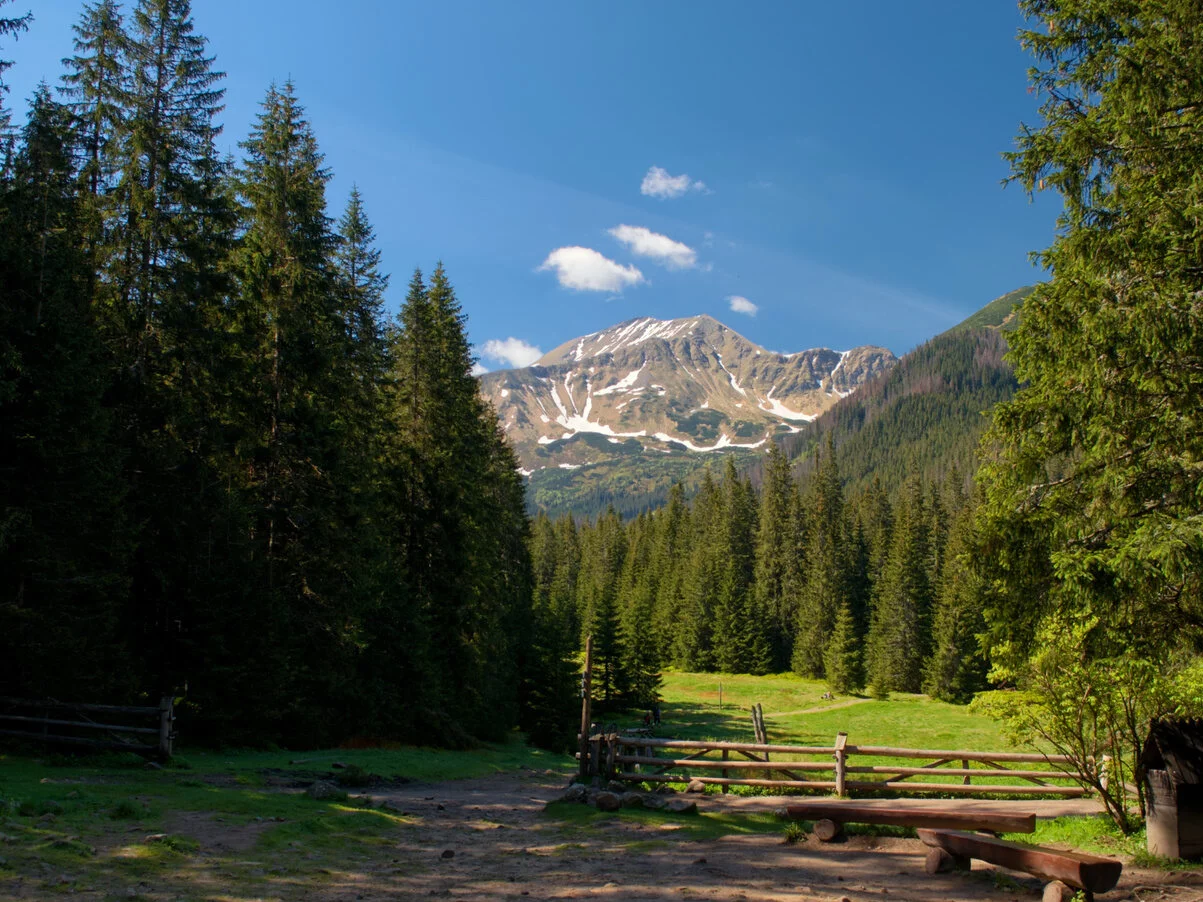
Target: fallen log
(1077,869)
(899,816)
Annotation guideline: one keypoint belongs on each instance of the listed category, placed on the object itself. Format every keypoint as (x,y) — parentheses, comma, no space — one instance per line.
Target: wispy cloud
(584,269)
(661,248)
(514,352)
(478,369)
(658,183)
(740,304)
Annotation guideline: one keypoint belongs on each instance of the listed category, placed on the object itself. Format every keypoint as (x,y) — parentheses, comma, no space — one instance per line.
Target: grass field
(795,713)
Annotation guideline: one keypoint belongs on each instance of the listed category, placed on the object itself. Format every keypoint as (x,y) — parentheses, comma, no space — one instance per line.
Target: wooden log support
(586,707)
(1090,873)
(827,830)
(899,816)
(166,719)
(965,767)
(726,755)
(841,763)
(939,861)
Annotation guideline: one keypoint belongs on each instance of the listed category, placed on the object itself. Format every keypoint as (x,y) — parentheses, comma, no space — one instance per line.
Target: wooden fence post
(725,757)
(841,762)
(166,719)
(586,706)
(965,779)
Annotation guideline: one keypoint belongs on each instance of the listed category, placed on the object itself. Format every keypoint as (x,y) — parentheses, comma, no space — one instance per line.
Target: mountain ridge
(689,384)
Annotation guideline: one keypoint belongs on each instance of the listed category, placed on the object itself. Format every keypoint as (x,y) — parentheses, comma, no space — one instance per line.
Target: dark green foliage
(1090,532)
(826,588)
(956,669)
(899,635)
(224,477)
(842,657)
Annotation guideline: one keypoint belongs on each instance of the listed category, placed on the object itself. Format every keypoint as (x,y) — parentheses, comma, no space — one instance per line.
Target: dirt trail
(504,846)
(819,709)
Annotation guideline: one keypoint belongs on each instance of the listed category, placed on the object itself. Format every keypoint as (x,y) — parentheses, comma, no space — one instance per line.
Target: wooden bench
(829,818)
(1067,871)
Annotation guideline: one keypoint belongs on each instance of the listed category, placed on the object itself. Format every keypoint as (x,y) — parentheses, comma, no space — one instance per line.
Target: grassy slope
(913,721)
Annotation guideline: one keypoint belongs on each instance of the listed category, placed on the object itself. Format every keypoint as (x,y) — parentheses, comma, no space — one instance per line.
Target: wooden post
(841,762)
(586,707)
(965,764)
(166,718)
(725,755)
(720,696)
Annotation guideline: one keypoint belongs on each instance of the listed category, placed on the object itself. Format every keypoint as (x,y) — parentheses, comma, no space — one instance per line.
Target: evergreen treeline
(224,473)
(859,590)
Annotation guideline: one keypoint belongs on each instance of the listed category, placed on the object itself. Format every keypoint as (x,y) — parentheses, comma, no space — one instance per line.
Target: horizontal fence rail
(637,759)
(31,720)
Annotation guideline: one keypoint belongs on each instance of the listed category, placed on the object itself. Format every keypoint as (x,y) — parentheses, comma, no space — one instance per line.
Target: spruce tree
(956,669)
(776,569)
(899,629)
(825,589)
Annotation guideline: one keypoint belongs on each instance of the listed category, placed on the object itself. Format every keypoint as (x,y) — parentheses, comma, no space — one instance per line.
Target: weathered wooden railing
(638,759)
(70,723)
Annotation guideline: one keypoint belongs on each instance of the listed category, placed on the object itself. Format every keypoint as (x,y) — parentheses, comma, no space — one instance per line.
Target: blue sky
(835,166)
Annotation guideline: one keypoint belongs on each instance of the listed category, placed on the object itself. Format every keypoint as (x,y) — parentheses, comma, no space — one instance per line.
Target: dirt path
(819,709)
(503,845)
(491,838)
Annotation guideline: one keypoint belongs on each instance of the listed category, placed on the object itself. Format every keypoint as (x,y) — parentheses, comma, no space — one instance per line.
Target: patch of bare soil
(489,839)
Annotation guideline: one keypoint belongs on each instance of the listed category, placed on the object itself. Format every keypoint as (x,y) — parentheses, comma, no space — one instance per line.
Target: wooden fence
(73,724)
(637,759)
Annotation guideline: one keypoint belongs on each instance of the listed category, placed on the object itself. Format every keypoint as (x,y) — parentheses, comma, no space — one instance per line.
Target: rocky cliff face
(654,387)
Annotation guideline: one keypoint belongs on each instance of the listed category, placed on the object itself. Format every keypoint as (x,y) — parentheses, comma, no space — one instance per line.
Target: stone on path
(607,801)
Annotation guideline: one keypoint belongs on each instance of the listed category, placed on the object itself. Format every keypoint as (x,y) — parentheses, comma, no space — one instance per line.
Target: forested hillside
(854,588)
(925,415)
(225,475)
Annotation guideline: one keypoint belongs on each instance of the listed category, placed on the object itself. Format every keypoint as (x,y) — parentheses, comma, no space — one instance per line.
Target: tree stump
(826,829)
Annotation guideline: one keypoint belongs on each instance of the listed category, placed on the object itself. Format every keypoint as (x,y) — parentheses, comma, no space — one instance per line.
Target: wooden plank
(733,764)
(729,781)
(733,746)
(891,752)
(153,731)
(902,816)
(977,789)
(1086,872)
(79,740)
(6,702)
(958,772)
(772,766)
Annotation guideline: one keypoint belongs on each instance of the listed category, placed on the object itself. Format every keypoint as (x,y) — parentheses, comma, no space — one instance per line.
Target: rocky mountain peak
(663,387)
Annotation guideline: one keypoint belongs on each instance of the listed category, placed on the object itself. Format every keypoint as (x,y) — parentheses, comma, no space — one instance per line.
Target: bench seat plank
(901,816)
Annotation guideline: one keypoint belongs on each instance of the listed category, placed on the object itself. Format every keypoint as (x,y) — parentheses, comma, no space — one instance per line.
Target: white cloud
(514,352)
(741,304)
(658,183)
(478,370)
(660,248)
(584,269)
